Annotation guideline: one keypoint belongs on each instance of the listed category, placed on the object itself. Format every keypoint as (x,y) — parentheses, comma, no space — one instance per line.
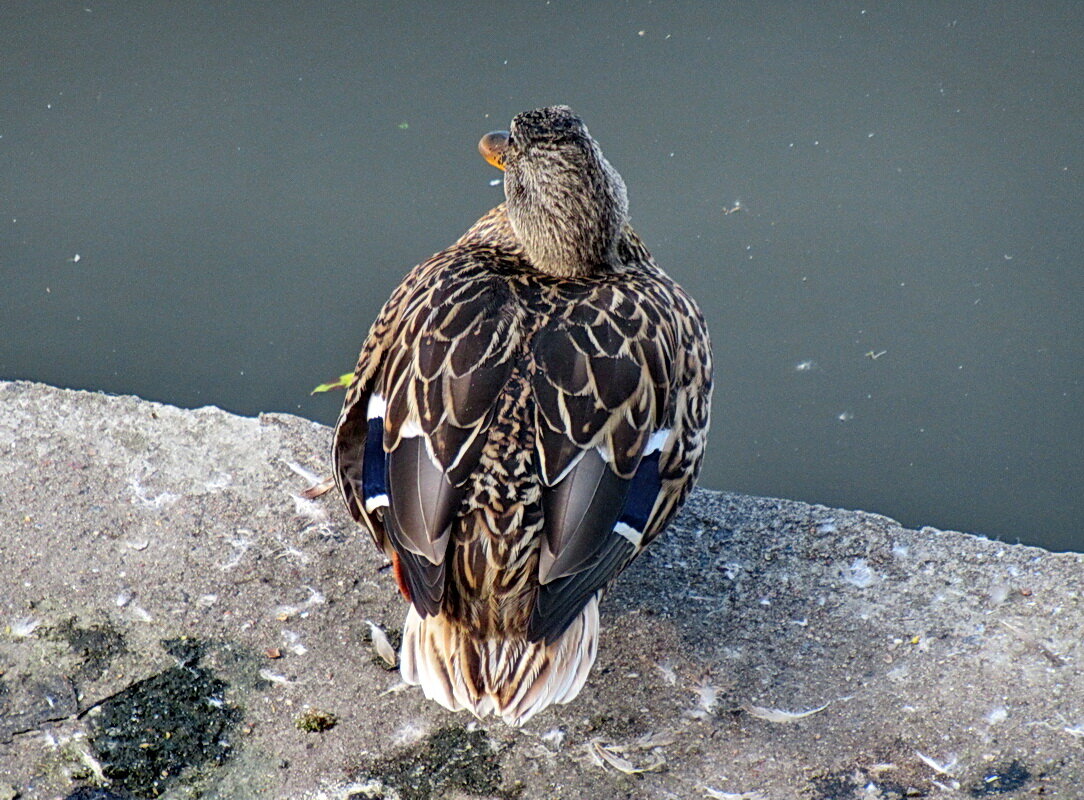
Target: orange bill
(493,146)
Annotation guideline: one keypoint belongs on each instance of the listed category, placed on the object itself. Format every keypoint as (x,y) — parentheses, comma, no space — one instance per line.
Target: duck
(528,412)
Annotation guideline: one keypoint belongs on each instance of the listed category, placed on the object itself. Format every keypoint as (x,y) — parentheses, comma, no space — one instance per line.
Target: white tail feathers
(512,678)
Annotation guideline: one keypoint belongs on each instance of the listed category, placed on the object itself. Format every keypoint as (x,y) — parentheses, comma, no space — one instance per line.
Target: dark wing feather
(431,370)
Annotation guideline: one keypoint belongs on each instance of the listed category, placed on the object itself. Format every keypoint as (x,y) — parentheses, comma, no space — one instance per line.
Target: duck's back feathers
(512,440)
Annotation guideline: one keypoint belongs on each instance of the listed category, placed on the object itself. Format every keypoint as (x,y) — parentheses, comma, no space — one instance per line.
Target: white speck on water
(496,182)
(845,416)
(75,259)
(806,366)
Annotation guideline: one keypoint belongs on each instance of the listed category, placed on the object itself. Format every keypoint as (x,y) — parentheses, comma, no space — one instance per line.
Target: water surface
(208,203)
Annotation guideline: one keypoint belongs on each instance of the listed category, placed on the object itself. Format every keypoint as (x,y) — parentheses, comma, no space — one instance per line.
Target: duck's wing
(415,417)
(621,374)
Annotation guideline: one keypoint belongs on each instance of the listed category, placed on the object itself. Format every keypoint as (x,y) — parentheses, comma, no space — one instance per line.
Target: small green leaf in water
(403,126)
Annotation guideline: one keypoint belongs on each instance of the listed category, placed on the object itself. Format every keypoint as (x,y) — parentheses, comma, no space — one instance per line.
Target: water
(207,204)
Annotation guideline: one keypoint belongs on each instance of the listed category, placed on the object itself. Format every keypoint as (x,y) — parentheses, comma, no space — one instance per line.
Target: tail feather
(512,678)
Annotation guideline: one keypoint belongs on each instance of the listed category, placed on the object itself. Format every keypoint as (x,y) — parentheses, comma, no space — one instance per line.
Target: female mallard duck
(527,414)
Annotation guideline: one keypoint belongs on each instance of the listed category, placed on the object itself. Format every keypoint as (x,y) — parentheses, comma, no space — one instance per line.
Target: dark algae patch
(94,793)
(95,645)
(1006,778)
(451,758)
(147,735)
(833,787)
(857,785)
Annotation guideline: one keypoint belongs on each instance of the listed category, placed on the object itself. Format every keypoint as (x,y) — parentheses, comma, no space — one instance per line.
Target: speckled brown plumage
(523,416)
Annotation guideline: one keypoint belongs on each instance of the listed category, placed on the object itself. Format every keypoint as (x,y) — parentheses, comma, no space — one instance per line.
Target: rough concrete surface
(177,621)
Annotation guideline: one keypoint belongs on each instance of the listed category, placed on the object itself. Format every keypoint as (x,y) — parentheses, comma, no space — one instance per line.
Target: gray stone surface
(171,608)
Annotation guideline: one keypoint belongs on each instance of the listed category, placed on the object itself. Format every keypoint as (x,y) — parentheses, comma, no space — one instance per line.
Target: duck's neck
(569,222)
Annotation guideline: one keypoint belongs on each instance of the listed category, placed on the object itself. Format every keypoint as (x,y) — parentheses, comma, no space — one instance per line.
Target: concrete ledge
(176,620)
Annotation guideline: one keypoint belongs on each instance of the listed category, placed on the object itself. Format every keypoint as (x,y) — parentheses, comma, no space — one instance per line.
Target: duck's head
(566,204)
